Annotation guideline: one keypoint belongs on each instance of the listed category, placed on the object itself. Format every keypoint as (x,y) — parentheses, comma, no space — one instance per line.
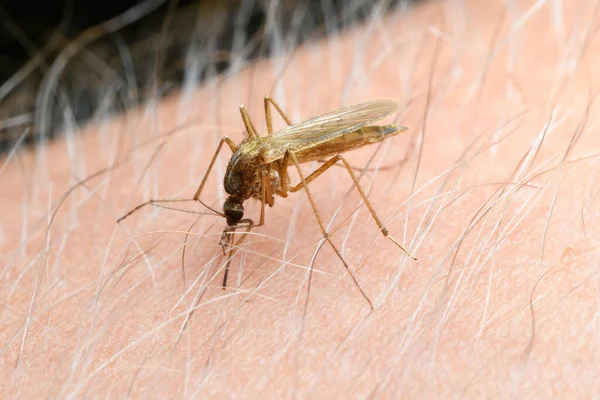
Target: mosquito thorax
(233,210)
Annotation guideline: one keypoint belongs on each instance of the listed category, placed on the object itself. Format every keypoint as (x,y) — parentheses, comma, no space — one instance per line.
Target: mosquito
(259,165)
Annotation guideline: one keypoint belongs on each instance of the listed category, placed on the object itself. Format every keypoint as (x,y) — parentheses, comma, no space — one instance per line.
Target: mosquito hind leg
(331,162)
(304,183)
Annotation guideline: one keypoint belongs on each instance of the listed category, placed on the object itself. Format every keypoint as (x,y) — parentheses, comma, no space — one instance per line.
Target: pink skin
(503,218)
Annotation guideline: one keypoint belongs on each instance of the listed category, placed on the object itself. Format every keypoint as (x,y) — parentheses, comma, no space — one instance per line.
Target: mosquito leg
(283,174)
(332,161)
(250,129)
(233,148)
(315,174)
(196,197)
(324,232)
(265,191)
(268,117)
(231,144)
(360,170)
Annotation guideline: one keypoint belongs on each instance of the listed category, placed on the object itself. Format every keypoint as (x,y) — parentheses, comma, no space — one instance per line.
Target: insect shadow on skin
(259,165)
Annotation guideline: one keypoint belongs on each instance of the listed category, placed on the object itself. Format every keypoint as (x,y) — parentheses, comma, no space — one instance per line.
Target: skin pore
(493,188)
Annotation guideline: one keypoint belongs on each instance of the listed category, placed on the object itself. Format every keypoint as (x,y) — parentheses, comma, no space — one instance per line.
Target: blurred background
(65,63)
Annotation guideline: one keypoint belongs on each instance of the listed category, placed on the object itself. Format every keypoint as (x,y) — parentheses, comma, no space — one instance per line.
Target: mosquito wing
(326,127)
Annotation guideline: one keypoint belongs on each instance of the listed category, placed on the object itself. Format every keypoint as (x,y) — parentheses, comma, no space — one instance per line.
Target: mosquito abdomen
(349,141)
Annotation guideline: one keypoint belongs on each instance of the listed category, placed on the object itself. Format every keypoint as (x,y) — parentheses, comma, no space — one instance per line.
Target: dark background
(149,51)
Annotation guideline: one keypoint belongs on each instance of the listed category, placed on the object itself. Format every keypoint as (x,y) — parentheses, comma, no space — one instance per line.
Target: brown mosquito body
(259,165)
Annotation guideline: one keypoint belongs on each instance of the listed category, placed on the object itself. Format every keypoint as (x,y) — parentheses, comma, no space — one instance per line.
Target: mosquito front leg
(324,232)
(328,164)
(196,197)
(233,148)
(268,117)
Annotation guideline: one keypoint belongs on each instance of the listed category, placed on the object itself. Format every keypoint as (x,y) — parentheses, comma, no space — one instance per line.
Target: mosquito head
(234,211)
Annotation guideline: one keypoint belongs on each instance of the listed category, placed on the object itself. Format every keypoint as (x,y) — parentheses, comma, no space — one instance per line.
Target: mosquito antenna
(157,203)
(187,211)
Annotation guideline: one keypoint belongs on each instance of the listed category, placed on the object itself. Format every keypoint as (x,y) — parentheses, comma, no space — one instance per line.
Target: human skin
(493,187)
